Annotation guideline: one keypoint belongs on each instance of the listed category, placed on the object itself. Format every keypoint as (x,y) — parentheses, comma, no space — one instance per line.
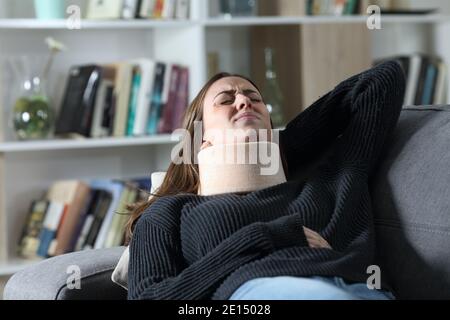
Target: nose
(242,102)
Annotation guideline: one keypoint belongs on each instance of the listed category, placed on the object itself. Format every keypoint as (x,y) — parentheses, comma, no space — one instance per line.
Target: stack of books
(130,98)
(137,9)
(76,215)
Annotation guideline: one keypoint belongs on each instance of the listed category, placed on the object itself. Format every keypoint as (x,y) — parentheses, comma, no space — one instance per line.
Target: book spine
(53,217)
(133,102)
(129,9)
(182,99)
(182,9)
(165,125)
(156,104)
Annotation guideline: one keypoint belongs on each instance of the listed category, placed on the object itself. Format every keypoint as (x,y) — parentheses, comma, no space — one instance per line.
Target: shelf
(8,268)
(61,144)
(248,21)
(93,24)
(27,24)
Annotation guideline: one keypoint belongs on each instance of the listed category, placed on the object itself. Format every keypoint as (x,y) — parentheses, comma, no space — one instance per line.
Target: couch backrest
(411,199)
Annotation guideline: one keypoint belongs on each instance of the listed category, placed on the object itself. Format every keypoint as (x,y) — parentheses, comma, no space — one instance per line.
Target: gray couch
(411,193)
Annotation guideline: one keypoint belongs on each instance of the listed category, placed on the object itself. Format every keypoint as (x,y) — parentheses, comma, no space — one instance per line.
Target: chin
(251,132)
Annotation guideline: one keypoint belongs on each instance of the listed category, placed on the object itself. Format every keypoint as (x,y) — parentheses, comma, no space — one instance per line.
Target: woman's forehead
(230,83)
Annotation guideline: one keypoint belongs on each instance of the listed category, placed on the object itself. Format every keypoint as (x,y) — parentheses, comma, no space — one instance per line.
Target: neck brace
(239,168)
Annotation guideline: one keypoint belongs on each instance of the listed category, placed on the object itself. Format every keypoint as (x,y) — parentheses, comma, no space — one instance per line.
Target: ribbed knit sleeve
(363,109)
(376,104)
(157,270)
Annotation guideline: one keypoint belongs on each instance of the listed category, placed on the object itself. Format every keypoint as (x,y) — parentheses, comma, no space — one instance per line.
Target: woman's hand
(315,240)
(205,145)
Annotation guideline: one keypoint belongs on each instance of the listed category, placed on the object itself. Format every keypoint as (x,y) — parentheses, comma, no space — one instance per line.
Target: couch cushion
(51,279)
(411,199)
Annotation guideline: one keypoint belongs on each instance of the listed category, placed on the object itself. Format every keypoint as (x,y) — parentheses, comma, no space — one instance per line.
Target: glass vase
(32,116)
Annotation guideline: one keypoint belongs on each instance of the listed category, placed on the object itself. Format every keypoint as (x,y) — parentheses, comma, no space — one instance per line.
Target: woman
(261,244)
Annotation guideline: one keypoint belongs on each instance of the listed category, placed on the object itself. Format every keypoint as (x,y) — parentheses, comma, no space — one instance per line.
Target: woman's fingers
(315,240)
(205,144)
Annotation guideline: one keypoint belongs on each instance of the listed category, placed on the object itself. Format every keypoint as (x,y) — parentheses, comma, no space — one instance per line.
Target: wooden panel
(286,42)
(281,7)
(331,53)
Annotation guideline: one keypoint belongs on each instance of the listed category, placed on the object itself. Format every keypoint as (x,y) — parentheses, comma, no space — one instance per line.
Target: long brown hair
(181,178)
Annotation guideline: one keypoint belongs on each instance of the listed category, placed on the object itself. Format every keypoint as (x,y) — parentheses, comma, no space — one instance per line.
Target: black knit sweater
(204,247)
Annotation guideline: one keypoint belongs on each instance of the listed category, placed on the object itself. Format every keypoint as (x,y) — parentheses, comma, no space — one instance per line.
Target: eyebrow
(246,91)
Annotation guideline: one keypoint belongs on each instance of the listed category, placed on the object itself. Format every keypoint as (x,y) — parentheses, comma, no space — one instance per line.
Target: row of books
(427,79)
(138,9)
(131,98)
(320,7)
(76,215)
(333,7)
(339,7)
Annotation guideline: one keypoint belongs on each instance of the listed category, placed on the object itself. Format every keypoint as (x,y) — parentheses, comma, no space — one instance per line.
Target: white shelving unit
(62,144)
(28,168)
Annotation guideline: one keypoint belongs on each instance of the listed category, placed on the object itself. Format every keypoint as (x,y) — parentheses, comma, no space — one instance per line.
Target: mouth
(247,116)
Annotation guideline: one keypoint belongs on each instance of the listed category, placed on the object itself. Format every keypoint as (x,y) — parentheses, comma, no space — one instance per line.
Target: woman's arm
(313,130)
(359,108)
(157,269)
(376,104)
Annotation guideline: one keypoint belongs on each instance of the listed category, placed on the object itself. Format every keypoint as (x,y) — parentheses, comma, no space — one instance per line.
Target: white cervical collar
(239,168)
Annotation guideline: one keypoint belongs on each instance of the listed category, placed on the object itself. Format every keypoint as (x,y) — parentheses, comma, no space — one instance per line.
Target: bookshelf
(62,144)
(28,168)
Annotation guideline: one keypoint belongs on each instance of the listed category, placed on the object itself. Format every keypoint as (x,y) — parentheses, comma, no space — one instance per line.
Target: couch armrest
(52,278)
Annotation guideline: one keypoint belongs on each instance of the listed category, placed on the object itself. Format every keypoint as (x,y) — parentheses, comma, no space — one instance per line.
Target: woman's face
(234,105)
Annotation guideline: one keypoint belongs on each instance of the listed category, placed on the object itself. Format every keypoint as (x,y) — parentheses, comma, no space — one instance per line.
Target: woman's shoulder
(166,210)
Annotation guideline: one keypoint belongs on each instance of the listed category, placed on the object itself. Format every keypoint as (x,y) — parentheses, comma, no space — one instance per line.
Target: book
(168,11)
(74,194)
(182,99)
(146,70)
(130,9)
(104,103)
(50,225)
(430,82)
(76,112)
(158,9)
(420,85)
(146,9)
(101,9)
(182,9)
(29,241)
(114,188)
(413,79)
(135,85)
(440,94)
(166,122)
(97,130)
(85,212)
(94,221)
(122,90)
(121,216)
(156,101)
